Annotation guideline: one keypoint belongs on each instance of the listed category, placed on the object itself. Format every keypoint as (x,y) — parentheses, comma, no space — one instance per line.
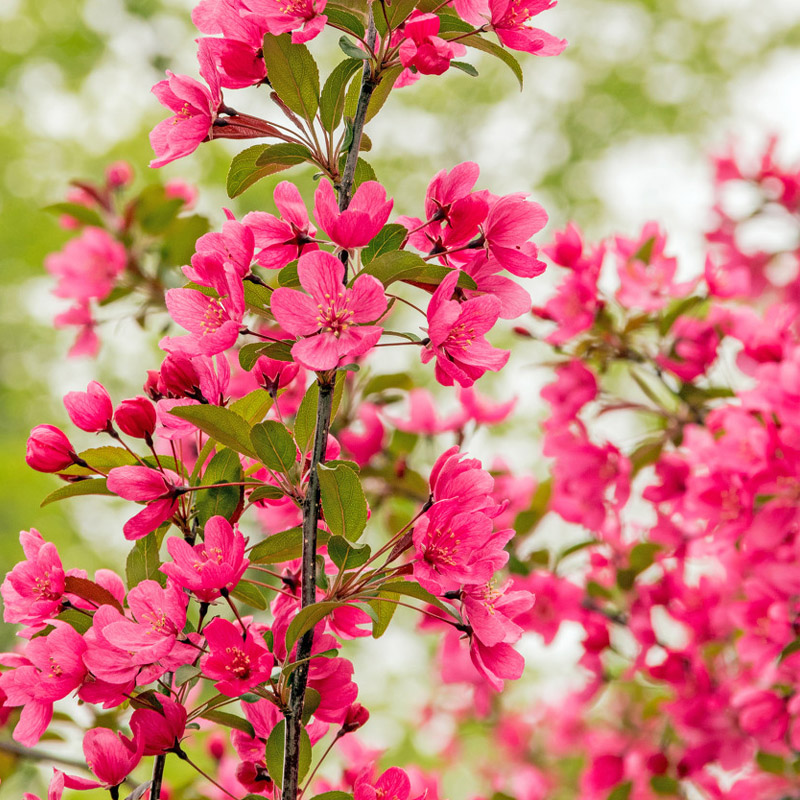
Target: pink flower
(159,731)
(220,256)
(454,546)
(456,332)
(86,342)
(365,216)
(49,450)
(455,477)
(363,446)
(91,410)
(330,318)
(33,590)
(422,49)
(160,490)
(497,663)
(574,387)
(482,410)
(285,238)
(119,174)
(88,265)
(511,221)
(136,417)
(490,612)
(195,110)
(391,785)
(694,348)
(110,755)
(237,665)
(508,22)
(214,565)
(303,17)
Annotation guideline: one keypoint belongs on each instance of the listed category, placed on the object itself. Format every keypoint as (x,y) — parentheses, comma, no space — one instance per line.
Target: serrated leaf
(284,546)
(143,560)
(250,594)
(274,446)
(388,238)
(229,721)
(78,489)
(485,46)
(185,673)
(225,467)
(274,753)
(221,424)
(343,501)
(349,48)
(293,74)
(253,406)
(261,160)
(342,18)
(331,103)
(91,592)
(384,611)
(345,554)
(307,618)
(465,67)
(88,216)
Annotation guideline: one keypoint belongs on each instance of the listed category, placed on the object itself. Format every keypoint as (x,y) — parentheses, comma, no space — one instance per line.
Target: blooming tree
(284,510)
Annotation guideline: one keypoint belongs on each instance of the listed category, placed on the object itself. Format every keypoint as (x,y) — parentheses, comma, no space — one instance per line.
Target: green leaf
(229,721)
(78,488)
(342,18)
(284,546)
(401,265)
(155,211)
(450,21)
(274,754)
(225,467)
(331,103)
(311,701)
(144,561)
(221,424)
(250,594)
(305,421)
(293,74)
(289,276)
(677,309)
(343,501)
(412,589)
(527,520)
(664,784)
(388,238)
(347,555)
(266,492)
(396,12)
(381,92)
(363,171)
(102,459)
(485,46)
(253,406)
(465,67)
(185,673)
(769,762)
(257,298)
(393,380)
(274,446)
(789,650)
(384,611)
(307,618)
(351,49)
(261,160)
(76,619)
(333,796)
(621,792)
(87,216)
(643,555)
(178,243)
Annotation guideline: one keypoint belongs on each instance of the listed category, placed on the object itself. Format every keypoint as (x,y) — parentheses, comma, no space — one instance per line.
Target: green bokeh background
(74,83)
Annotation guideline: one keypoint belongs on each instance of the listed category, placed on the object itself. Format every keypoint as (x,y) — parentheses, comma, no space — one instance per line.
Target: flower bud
(119,174)
(91,410)
(253,777)
(150,387)
(275,374)
(355,718)
(178,377)
(136,417)
(159,731)
(48,449)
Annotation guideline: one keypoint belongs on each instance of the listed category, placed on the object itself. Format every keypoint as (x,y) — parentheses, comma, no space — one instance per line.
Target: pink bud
(159,731)
(355,718)
(178,377)
(150,387)
(119,174)
(184,191)
(91,410)
(136,417)
(110,756)
(49,450)
(215,744)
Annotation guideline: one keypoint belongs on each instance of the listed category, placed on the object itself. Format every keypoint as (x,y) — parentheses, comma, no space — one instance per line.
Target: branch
(299,679)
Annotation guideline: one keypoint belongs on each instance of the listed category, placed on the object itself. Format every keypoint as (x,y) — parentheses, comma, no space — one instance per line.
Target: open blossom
(508,18)
(91,410)
(330,318)
(285,238)
(421,48)
(194,106)
(365,216)
(220,254)
(111,756)
(511,221)
(86,343)
(456,332)
(160,490)
(211,566)
(454,546)
(88,265)
(303,17)
(391,785)
(490,612)
(33,590)
(236,664)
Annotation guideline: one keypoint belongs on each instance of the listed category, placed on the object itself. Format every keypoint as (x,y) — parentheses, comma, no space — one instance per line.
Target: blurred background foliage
(612,132)
(615,131)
